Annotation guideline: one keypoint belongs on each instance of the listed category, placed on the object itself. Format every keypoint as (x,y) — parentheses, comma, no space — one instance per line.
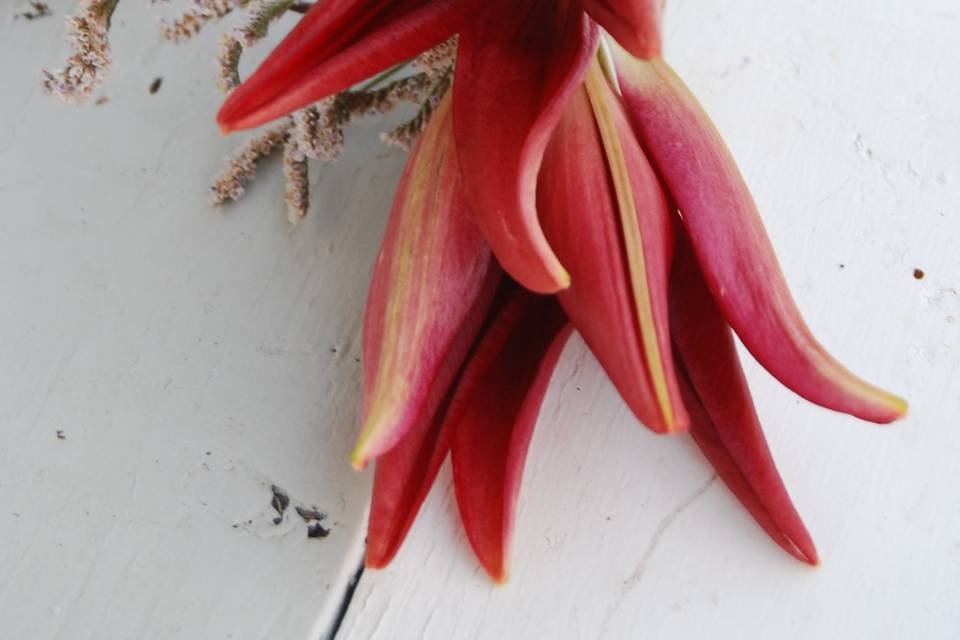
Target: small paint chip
(155,85)
(918,274)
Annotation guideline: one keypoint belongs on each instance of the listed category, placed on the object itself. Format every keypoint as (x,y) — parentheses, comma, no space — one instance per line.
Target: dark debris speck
(918,274)
(313,517)
(279,501)
(37,10)
(155,85)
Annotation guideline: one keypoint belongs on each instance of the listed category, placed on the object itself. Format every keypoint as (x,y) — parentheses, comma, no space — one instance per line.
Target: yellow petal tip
(360,456)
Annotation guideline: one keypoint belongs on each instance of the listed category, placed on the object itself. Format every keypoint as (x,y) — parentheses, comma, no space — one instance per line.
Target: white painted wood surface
(152,331)
(191,358)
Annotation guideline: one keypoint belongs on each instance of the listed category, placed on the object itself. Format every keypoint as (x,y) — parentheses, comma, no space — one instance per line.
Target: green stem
(385,75)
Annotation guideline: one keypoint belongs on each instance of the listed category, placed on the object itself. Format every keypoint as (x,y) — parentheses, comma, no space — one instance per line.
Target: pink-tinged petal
(401,482)
(723,420)
(517,63)
(405,473)
(731,244)
(635,24)
(335,45)
(605,213)
(492,417)
(431,285)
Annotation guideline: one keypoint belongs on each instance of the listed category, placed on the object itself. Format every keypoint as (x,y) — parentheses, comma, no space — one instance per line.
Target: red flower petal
(401,482)
(731,245)
(405,473)
(723,420)
(517,62)
(492,418)
(617,248)
(432,283)
(635,24)
(335,45)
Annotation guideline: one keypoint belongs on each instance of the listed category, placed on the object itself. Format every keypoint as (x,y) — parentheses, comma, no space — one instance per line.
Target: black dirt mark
(39,10)
(313,517)
(61,435)
(155,85)
(279,501)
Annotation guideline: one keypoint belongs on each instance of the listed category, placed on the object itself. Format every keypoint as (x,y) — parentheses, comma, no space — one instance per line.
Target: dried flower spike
(191,21)
(90,59)
(242,166)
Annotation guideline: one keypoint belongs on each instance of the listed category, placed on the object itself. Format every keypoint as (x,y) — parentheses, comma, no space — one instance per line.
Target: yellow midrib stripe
(415,210)
(633,239)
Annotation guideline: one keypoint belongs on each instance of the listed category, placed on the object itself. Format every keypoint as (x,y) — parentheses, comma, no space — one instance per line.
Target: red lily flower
(608,186)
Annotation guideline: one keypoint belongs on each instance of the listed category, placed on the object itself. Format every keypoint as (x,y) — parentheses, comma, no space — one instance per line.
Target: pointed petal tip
(497,569)
(677,422)
(671,425)
(362,452)
(377,436)
(898,407)
(548,279)
(563,280)
(366,449)
(224,126)
(805,553)
(375,562)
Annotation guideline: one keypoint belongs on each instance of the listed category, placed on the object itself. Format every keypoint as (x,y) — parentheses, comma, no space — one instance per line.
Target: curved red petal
(732,246)
(335,45)
(405,473)
(431,285)
(635,24)
(723,421)
(617,250)
(492,417)
(401,482)
(517,63)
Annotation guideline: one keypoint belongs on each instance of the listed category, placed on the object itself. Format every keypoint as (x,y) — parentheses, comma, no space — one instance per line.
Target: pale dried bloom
(228,61)
(406,134)
(437,61)
(90,59)
(318,130)
(191,21)
(258,20)
(351,104)
(255,27)
(242,166)
(297,194)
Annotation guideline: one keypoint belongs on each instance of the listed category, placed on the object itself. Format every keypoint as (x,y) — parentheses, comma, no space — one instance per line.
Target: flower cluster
(313,132)
(567,158)
(90,59)
(562,177)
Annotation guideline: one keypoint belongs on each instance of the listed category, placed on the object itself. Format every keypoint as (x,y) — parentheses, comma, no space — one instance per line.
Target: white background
(152,330)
